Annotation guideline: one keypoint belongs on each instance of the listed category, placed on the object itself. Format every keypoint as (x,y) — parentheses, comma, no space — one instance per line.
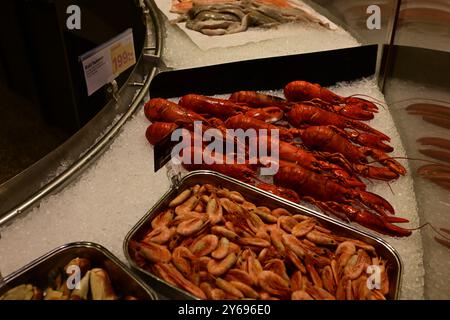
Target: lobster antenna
(390,187)
(373,100)
(405,158)
(367,96)
(427,224)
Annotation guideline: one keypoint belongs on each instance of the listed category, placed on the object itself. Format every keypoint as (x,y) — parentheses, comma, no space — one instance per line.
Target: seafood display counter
(111,189)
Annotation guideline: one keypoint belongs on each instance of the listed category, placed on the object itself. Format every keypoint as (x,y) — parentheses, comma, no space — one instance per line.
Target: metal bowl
(37,272)
(262,198)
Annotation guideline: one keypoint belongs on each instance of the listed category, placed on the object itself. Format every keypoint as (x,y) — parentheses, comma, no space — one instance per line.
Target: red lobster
(351,107)
(303,115)
(334,198)
(224,109)
(158,109)
(334,140)
(312,162)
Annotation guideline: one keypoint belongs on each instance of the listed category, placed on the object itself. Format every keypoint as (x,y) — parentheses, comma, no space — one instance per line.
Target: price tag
(122,57)
(104,63)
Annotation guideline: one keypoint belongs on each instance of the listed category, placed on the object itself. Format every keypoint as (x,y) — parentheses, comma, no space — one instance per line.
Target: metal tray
(262,198)
(123,280)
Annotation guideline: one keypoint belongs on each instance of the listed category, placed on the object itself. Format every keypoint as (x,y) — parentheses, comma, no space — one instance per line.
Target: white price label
(104,63)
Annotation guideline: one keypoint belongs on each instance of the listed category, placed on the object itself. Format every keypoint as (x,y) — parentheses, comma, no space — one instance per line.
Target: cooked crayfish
(223,109)
(334,198)
(351,107)
(336,141)
(303,115)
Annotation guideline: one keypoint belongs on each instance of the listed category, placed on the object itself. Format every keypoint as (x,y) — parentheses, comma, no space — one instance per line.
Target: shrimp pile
(214,244)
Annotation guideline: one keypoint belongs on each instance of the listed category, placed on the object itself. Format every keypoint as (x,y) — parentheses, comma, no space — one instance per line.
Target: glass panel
(418,92)
(186,48)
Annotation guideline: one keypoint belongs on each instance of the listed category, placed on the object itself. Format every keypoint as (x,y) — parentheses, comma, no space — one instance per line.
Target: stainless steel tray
(123,280)
(262,198)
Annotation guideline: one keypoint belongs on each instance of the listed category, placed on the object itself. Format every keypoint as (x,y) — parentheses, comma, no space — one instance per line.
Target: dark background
(43,97)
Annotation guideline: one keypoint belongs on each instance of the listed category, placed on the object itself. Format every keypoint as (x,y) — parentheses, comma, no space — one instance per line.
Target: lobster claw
(384,159)
(355,112)
(370,140)
(367,219)
(379,224)
(379,173)
(268,114)
(362,104)
(375,202)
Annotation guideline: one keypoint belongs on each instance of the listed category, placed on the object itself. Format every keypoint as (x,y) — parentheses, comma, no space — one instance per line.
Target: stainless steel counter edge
(27,189)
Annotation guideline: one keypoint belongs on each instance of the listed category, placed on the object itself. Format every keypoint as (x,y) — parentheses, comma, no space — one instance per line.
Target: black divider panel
(325,68)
